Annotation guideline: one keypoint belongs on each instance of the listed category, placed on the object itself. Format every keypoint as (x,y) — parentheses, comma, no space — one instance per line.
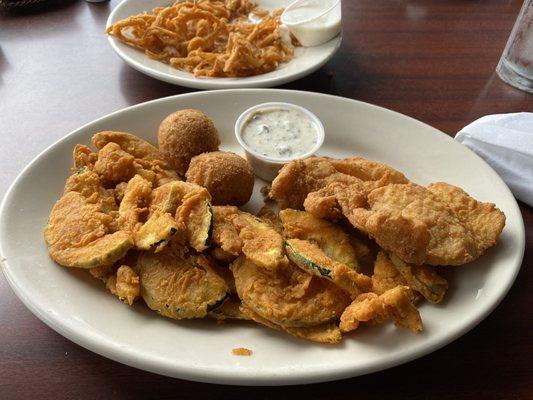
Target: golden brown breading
(119,191)
(89,185)
(138,148)
(288,296)
(329,237)
(268,214)
(299,178)
(83,157)
(386,276)
(393,303)
(312,259)
(195,214)
(231,309)
(133,207)
(227,176)
(225,234)
(426,226)
(326,333)
(185,134)
(78,234)
(178,288)
(422,279)
(125,284)
(262,244)
(114,165)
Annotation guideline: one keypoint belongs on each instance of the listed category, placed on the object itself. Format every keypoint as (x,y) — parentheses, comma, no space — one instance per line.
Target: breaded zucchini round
(185,134)
(289,296)
(177,288)
(227,176)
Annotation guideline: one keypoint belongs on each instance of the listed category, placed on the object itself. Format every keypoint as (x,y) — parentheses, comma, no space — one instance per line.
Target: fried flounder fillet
(299,178)
(437,225)
(370,307)
(138,148)
(288,296)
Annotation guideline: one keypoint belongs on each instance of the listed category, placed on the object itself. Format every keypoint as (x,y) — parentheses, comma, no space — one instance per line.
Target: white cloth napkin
(505,142)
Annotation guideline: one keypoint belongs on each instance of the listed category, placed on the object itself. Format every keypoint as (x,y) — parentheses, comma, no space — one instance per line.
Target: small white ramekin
(265,167)
(306,30)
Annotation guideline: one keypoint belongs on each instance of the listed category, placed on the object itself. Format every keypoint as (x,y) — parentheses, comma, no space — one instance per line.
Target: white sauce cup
(265,167)
(313,22)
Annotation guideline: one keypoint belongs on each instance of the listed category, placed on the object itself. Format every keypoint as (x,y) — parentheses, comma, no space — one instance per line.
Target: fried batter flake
(394,303)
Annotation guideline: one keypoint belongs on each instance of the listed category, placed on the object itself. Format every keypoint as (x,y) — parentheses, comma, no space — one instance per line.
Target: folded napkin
(505,142)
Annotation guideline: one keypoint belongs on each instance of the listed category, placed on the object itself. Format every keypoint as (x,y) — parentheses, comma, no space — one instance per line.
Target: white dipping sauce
(279,133)
(309,30)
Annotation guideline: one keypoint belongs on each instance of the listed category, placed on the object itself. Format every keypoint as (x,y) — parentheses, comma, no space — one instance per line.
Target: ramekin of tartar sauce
(313,22)
(273,134)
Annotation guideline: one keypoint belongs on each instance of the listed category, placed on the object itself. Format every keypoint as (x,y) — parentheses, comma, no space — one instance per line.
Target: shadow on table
(99,11)
(4,65)
(137,87)
(47,6)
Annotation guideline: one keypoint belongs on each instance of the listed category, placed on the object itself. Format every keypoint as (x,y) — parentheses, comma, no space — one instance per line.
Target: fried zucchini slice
(195,214)
(230,309)
(156,232)
(225,234)
(422,279)
(78,235)
(133,206)
(178,288)
(386,276)
(88,183)
(268,214)
(262,244)
(328,236)
(312,259)
(288,296)
(166,198)
(369,307)
(327,333)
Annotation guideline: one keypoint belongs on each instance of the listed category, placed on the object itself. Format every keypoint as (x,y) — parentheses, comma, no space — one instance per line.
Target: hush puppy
(227,176)
(185,134)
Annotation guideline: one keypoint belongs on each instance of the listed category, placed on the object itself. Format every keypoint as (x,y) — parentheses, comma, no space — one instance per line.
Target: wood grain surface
(432,60)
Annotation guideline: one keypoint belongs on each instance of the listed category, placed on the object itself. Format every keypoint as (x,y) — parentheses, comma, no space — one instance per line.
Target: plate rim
(210,84)
(226,376)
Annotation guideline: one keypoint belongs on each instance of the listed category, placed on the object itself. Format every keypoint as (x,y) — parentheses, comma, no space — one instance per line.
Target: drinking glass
(516,64)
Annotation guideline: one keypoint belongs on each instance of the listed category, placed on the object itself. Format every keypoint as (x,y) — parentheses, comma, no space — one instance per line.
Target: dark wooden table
(432,60)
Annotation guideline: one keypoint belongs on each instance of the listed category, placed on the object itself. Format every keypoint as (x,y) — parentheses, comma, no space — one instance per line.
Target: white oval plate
(305,61)
(78,307)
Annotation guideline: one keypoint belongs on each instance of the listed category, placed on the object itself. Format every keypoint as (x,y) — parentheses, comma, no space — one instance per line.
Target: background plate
(78,307)
(305,61)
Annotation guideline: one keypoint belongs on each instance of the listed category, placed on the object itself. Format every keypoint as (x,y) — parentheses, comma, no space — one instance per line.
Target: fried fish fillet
(299,178)
(437,225)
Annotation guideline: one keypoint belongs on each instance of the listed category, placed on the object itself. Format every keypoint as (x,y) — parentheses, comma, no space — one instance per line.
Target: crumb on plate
(241,351)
